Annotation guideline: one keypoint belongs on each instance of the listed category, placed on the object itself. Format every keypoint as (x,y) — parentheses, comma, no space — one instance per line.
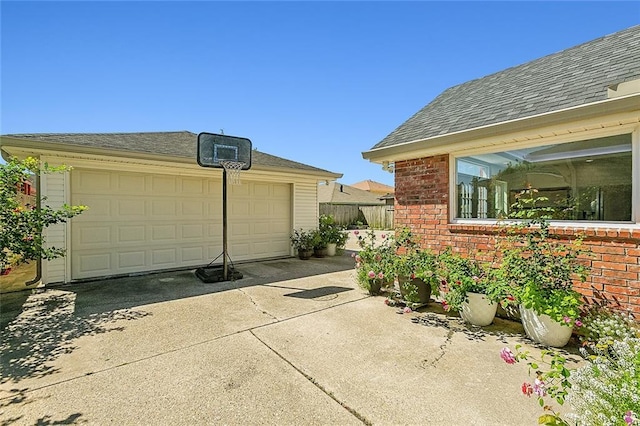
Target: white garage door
(143,222)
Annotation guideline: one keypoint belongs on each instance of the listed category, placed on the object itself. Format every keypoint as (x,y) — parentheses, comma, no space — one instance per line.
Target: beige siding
(305,205)
(53,186)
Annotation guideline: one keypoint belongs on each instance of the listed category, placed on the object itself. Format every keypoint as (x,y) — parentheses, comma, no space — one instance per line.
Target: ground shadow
(502,329)
(40,325)
(45,328)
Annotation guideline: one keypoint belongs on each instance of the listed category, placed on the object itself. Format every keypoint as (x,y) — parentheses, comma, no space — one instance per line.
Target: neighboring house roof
(338,193)
(573,77)
(172,144)
(375,187)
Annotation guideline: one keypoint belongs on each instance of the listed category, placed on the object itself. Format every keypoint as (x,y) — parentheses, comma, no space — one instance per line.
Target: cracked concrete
(302,346)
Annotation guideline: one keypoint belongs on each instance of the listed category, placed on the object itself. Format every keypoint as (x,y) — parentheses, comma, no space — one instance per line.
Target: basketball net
(233,169)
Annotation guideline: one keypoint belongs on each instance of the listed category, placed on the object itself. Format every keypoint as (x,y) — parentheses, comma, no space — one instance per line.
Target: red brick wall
(422,204)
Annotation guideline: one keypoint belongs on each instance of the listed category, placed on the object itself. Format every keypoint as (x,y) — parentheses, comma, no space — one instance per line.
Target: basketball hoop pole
(225,272)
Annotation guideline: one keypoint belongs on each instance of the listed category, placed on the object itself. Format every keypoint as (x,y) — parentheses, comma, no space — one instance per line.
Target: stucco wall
(422,204)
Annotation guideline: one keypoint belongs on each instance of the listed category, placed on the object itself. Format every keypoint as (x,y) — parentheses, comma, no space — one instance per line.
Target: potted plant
(374,262)
(411,266)
(302,241)
(540,272)
(319,243)
(333,234)
(474,289)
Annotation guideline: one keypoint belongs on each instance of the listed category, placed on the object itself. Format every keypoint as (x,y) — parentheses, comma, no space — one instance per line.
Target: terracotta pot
(544,330)
(478,310)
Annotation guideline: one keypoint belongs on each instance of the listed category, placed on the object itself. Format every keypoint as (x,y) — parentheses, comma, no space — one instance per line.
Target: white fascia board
(625,108)
(161,164)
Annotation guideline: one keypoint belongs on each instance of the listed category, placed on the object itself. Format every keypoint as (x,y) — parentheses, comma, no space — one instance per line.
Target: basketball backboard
(214,149)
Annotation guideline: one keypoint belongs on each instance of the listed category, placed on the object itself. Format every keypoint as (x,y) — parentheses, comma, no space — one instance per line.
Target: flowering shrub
(21,238)
(374,261)
(606,391)
(463,275)
(539,270)
(603,391)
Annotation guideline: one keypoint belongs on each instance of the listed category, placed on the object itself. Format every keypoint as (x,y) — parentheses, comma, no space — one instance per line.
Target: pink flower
(539,388)
(445,305)
(475,278)
(380,275)
(358,258)
(407,310)
(629,417)
(386,302)
(578,323)
(356,232)
(371,274)
(566,319)
(511,298)
(507,356)
(527,389)
(353,255)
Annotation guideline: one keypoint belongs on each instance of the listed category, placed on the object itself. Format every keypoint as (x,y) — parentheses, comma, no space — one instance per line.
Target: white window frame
(567,137)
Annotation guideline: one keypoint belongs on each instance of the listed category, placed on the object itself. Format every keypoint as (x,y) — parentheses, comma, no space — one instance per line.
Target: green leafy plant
(463,275)
(375,258)
(602,391)
(540,270)
(331,232)
(302,239)
(21,237)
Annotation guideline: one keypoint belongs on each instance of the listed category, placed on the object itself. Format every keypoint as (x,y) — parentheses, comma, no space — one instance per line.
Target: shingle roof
(176,144)
(337,193)
(373,186)
(572,77)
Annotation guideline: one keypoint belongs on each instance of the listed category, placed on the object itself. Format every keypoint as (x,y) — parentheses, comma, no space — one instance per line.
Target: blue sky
(314,82)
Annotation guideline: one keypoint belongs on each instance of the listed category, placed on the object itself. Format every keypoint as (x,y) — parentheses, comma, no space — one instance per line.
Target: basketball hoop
(233,170)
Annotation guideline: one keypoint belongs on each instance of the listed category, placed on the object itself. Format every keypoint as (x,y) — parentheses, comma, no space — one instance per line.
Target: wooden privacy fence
(377,217)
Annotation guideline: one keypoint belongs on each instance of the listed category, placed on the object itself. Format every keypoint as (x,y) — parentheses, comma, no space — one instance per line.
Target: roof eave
(442,144)
(58,148)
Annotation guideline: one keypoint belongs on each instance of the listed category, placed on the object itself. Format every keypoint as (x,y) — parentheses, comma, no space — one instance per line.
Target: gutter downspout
(38,276)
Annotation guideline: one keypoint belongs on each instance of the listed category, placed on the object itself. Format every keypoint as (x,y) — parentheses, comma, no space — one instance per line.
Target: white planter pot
(331,249)
(478,310)
(544,330)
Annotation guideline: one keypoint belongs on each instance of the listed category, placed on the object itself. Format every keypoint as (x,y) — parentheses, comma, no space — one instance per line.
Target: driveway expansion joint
(258,308)
(313,381)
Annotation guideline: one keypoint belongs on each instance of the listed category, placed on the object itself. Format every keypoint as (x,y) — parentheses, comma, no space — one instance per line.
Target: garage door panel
(94,263)
(162,233)
(193,208)
(163,185)
(192,231)
(131,234)
(95,236)
(129,183)
(281,192)
(132,259)
(163,208)
(94,181)
(143,222)
(131,208)
(164,257)
(192,254)
(192,186)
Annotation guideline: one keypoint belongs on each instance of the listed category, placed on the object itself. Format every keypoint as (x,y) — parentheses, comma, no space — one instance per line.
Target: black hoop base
(215,274)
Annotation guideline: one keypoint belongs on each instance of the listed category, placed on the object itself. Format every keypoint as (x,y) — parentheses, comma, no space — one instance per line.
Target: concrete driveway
(293,342)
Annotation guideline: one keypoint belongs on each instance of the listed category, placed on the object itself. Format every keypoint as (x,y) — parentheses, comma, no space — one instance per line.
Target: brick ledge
(590,233)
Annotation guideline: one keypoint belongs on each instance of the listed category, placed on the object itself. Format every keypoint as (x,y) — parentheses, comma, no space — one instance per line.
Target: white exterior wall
(305,205)
(54,186)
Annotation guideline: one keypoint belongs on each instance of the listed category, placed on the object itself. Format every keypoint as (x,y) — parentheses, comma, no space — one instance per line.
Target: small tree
(21,227)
